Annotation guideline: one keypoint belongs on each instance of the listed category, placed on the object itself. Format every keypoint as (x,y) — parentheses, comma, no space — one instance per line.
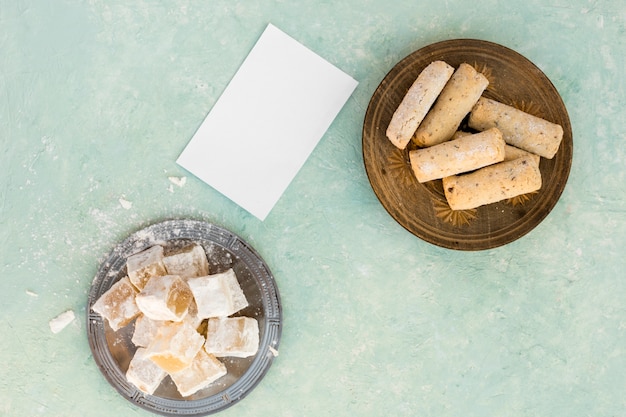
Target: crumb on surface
(61,321)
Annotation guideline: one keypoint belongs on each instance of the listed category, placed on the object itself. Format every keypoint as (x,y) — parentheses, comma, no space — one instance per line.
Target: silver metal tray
(113,351)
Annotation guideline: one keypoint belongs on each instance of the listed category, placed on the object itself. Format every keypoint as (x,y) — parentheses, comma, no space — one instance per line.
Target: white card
(267,122)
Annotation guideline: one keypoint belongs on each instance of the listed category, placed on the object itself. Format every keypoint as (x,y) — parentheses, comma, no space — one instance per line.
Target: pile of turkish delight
(182,318)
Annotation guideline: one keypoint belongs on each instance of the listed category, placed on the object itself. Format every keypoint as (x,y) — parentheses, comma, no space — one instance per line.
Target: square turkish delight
(143,373)
(204,370)
(144,265)
(165,298)
(232,336)
(175,346)
(217,295)
(190,262)
(117,305)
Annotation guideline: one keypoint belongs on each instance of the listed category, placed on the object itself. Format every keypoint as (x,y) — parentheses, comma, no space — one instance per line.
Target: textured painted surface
(98,98)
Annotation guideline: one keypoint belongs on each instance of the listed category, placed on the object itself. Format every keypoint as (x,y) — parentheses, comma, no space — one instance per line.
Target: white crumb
(125,203)
(180,181)
(61,321)
(32,293)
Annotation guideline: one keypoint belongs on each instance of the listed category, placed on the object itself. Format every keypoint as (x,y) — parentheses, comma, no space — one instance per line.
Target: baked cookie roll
(510,151)
(458,155)
(456,100)
(417,101)
(493,183)
(519,128)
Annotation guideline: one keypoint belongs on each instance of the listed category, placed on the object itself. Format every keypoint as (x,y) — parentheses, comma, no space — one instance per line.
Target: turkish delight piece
(175,346)
(192,316)
(232,336)
(188,263)
(144,265)
(165,298)
(145,330)
(204,370)
(217,295)
(117,305)
(143,373)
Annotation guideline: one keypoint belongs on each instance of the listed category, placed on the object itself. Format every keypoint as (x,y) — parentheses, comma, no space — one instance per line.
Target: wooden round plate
(422,208)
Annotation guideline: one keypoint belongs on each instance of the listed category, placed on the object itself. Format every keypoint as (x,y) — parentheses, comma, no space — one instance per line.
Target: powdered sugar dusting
(179,181)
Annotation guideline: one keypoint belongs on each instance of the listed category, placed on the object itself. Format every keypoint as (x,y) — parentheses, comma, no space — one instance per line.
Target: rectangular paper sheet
(267,122)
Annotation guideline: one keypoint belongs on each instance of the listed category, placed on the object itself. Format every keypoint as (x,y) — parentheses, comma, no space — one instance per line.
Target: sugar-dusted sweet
(144,265)
(165,298)
(217,295)
(144,373)
(192,315)
(145,330)
(190,262)
(232,336)
(204,370)
(117,305)
(175,346)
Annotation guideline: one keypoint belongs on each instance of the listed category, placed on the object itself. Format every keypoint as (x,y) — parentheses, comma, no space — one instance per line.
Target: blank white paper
(267,122)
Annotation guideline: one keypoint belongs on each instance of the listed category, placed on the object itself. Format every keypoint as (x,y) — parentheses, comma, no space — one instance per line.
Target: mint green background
(97,100)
